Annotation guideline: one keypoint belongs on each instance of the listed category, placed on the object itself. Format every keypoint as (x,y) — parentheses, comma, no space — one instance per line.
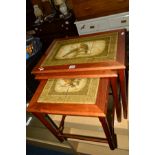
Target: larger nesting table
(88,56)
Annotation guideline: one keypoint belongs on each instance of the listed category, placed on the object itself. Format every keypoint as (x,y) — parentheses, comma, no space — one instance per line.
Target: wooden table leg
(111,137)
(123,91)
(50,125)
(61,126)
(117,104)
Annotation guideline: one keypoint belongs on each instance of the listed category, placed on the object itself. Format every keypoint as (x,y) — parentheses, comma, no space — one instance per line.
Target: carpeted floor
(35,150)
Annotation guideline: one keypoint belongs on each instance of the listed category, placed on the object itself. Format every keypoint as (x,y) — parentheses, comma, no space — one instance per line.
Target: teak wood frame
(99,109)
(90,70)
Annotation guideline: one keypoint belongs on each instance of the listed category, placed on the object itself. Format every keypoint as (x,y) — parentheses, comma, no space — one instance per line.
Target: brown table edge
(94,110)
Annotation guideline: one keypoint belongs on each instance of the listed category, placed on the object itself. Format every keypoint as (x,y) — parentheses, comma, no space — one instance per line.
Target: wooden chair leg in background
(50,125)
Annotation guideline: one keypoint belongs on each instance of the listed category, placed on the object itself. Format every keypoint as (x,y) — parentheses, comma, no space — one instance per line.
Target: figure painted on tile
(70,85)
(81,50)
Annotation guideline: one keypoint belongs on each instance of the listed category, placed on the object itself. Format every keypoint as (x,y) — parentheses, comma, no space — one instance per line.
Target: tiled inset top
(76,90)
(83,50)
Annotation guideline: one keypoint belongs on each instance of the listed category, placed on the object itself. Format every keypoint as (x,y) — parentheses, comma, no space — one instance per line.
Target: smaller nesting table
(77,97)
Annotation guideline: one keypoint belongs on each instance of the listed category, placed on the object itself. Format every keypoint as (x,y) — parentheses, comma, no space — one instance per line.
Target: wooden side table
(93,55)
(78,97)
